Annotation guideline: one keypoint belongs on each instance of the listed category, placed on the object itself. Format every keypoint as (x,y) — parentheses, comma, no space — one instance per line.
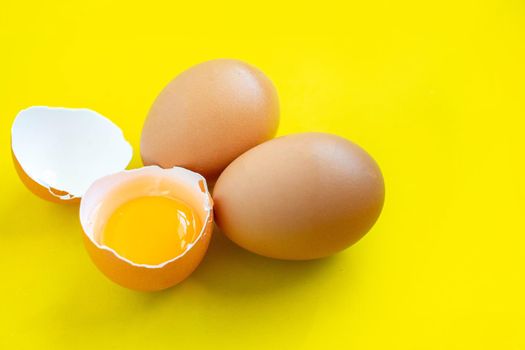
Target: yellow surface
(150,230)
(434,90)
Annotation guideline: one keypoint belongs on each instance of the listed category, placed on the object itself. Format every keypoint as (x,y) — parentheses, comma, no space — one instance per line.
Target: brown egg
(298,197)
(208,116)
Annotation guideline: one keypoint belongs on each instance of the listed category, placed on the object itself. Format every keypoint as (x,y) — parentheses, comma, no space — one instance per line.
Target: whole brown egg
(298,197)
(208,116)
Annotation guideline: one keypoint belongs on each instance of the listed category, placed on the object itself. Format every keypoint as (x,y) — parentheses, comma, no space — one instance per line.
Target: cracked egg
(147,229)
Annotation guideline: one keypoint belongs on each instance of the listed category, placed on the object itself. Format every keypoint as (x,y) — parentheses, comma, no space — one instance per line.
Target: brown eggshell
(148,279)
(208,116)
(298,197)
(109,192)
(51,194)
(58,152)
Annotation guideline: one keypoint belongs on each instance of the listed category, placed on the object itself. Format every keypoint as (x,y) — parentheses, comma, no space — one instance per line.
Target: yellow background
(434,90)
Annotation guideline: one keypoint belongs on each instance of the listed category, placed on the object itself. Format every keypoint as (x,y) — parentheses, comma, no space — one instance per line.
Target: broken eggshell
(59,152)
(108,193)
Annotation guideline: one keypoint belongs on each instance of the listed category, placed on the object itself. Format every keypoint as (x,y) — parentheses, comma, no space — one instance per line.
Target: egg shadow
(229,269)
(232,272)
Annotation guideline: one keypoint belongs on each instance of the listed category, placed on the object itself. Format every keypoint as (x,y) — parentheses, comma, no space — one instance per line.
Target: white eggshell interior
(106,194)
(68,149)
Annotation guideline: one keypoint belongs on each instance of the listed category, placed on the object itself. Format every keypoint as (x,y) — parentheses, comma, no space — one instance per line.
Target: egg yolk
(151,230)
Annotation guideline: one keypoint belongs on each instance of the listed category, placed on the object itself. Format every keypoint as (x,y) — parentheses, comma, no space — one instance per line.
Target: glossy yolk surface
(151,230)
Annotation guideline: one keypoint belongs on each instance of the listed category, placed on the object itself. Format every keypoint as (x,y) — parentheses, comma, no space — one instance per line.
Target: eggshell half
(49,194)
(110,192)
(298,197)
(208,116)
(59,152)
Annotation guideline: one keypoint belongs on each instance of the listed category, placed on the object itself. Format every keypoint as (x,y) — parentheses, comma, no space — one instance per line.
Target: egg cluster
(295,197)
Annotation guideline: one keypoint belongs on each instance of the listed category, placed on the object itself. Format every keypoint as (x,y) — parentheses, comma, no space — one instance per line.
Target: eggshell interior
(50,194)
(63,150)
(110,192)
